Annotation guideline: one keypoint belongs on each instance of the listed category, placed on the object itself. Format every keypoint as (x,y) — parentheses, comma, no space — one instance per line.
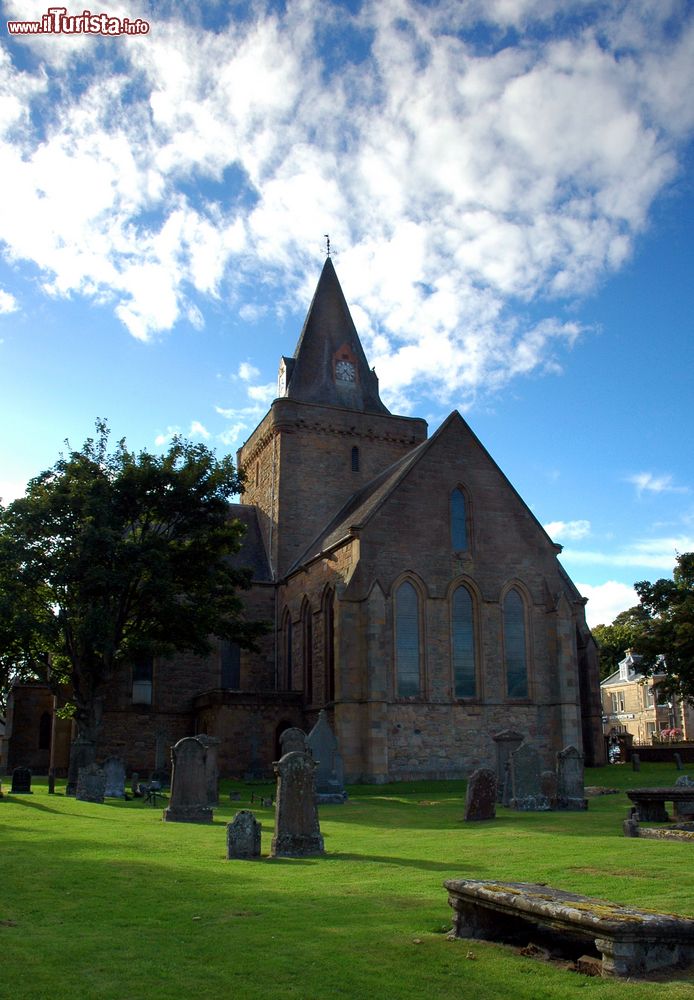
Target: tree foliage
(668,630)
(112,556)
(621,635)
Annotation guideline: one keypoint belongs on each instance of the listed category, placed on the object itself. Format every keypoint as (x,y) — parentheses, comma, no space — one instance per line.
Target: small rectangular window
(230,655)
(143,670)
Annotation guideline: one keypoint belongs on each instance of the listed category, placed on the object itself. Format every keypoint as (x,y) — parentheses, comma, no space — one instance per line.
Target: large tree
(669,628)
(613,640)
(112,556)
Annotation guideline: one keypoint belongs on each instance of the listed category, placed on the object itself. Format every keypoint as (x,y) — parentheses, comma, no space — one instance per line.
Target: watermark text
(57,21)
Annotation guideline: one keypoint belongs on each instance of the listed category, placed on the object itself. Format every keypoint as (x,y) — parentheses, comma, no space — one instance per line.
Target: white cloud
(8,303)
(198,430)
(606,601)
(455,181)
(570,530)
(647,482)
(247,372)
(167,436)
(652,553)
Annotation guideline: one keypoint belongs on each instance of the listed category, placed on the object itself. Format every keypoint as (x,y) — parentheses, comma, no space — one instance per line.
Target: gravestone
(114,769)
(297,833)
(243,836)
(293,739)
(678,761)
(506,742)
(685,810)
(524,773)
(548,788)
(91,784)
(21,781)
(570,778)
(211,743)
(480,798)
(188,801)
(82,753)
(635,762)
(330,782)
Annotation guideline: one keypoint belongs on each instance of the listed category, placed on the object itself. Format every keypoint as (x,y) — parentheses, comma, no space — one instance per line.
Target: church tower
(327,433)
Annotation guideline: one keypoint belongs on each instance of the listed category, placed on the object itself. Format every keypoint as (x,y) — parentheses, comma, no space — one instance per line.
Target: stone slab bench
(631,942)
(650,802)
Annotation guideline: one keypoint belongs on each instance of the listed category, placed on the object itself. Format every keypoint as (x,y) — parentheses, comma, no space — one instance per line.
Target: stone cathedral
(414,597)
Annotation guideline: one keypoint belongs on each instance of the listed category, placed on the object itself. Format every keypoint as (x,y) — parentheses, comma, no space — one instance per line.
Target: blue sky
(508,189)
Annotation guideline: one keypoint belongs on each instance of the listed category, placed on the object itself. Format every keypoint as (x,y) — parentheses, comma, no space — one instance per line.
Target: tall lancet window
(407,646)
(463,644)
(458,512)
(515,649)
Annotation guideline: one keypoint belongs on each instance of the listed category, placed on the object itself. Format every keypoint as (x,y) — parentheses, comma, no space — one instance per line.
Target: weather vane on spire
(327,244)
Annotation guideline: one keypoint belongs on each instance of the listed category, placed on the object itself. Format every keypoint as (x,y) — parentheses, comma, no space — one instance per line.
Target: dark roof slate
(252,552)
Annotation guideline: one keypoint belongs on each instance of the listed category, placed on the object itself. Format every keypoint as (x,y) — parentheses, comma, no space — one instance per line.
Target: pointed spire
(329,366)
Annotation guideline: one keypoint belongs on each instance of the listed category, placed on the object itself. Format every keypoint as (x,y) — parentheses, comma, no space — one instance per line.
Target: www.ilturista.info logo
(57,21)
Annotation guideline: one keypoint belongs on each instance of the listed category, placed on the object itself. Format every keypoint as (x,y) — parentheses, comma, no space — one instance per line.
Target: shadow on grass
(32,804)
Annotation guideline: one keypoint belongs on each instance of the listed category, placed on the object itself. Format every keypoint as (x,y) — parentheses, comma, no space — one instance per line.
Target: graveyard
(105,900)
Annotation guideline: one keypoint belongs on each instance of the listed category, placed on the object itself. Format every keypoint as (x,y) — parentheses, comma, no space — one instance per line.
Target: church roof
(329,366)
(362,505)
(252,552)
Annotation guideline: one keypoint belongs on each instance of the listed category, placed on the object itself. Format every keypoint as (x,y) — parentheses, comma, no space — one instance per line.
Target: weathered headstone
(330,781)
(524,767)
(548,788)
(297,833)
(21,781)
(82,753)
(188,802)
(293,739)
(678,760)
(506,742)
(211,743)
(91,784)
(685,810)
(243,836)
(635,762)
(114,769)
(480,798)
(570,779)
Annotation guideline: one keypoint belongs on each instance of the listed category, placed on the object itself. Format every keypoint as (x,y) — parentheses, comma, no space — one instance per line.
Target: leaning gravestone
(506,742)
(91,784)
(297,833)
(524,773)
(330,782)
(211,769)
(188,802)
(114,769)
(243,836)
(21,781)
(480,799)
(570,789)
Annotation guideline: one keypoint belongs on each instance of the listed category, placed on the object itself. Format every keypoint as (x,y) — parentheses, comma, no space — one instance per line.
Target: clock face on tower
(345,371)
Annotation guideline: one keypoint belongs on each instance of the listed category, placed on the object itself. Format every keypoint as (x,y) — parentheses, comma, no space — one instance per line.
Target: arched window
(287,652)
(329,653)
(463,644)
(407,652)
(355,459)
(307,645)
(459,539)
(515,653)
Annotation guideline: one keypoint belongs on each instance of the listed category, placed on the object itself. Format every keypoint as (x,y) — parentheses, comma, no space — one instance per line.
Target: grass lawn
(107,902)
